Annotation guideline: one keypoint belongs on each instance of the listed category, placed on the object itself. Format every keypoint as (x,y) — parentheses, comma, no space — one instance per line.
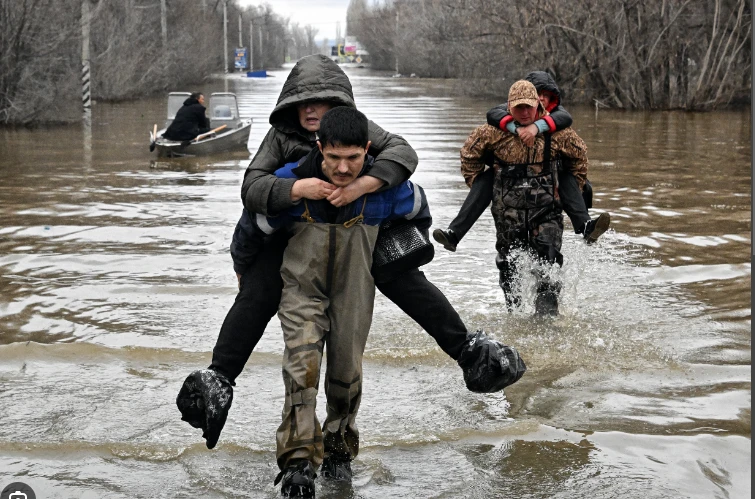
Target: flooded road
(115,278)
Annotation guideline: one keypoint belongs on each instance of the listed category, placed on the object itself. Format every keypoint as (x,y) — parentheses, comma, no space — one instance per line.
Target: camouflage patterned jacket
(486,143)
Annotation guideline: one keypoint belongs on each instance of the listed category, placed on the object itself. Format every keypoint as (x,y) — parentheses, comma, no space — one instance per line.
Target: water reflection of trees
(624,53)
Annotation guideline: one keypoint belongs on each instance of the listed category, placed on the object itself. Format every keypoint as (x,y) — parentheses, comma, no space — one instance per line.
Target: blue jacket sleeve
(410,202)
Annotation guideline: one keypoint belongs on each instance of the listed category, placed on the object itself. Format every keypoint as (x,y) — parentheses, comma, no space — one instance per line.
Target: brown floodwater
(115,278)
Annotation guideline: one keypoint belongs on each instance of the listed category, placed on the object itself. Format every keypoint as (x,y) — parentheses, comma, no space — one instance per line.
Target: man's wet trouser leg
(256,303)
(305,324)
(507,280)
(572,201)
(547,246)
(543,240)
(479,198)
(350,317)
(429,307)
(511,233)
(299,435)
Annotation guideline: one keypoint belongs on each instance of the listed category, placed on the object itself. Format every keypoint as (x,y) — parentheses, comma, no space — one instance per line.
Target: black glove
(204,401)
(488,365)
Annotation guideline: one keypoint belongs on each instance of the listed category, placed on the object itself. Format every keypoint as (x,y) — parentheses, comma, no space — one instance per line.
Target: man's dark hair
(343,126)
(195,95)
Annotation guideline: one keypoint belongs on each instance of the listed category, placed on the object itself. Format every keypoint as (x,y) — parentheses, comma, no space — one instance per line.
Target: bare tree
(302,40)
(36,63)
(661,54)
(40,51)
(311,33)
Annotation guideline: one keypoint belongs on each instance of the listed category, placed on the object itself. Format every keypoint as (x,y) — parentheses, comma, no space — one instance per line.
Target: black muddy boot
(298,480)
(336,468)
(546,302)
(595,228)
(488,365)
(447,238)
(204,401)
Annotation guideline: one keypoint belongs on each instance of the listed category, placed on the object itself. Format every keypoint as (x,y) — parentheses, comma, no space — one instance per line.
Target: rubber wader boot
(546,302)
(298,480)
(335,468)
(506,282)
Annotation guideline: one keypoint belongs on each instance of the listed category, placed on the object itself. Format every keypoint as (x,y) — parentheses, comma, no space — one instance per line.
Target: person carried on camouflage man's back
(574,201)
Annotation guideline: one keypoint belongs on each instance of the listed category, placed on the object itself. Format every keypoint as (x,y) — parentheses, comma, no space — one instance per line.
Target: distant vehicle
(228,131)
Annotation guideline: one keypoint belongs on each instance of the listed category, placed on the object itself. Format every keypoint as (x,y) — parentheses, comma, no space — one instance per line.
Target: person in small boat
(190,120)
(573,198)
(526,208)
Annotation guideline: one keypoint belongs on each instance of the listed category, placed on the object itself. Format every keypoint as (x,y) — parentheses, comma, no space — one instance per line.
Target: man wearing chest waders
(327,300)
(526,206)
(315,85)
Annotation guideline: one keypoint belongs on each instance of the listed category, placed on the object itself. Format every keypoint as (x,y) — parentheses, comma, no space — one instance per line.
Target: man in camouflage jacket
(526,206)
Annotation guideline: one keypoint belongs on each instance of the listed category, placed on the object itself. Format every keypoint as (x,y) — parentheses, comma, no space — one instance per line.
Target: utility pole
(225,36)
(241,44)
(262,54)
(164,23)
(251,45)
(85,81)
(395,40)
(86,19)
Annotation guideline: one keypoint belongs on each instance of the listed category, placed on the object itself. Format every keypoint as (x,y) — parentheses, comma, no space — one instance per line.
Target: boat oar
(204,135)
(153,138)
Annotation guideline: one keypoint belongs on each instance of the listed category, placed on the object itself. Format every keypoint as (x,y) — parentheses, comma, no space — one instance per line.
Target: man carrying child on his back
(328,299)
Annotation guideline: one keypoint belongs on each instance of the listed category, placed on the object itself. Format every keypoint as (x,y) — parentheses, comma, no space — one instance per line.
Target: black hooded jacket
(189,122)
(558,119)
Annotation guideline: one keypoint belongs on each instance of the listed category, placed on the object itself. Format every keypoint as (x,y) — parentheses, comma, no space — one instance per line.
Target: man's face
(310,114)
(201,99)
(342,164)
(524,114)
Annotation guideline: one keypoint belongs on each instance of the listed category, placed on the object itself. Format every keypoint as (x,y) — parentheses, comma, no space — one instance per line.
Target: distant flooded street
(115,277)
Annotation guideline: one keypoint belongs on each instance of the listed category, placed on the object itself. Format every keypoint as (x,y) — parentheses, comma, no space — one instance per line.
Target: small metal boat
(229,132)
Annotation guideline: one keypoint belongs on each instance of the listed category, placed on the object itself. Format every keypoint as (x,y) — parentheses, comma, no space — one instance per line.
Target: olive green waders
(328,295)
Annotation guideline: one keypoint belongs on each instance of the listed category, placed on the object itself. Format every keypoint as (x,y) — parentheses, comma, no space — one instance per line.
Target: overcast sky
(321,14)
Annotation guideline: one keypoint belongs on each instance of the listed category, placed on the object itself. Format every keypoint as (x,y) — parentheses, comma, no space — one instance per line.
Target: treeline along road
(631,54)
(646,54)
(137,48)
